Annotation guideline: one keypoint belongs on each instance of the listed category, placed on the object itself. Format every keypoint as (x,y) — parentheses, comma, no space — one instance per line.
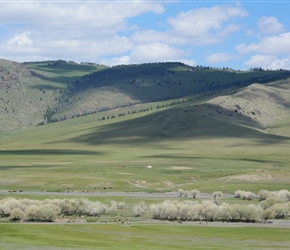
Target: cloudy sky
(237,34)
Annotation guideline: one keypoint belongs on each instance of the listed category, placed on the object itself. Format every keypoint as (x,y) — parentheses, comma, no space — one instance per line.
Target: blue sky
(236,34)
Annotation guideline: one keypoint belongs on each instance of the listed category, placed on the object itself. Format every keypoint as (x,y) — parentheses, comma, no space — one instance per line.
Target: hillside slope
(126,85)
(41,92)
(253,112)
(257,105)
(28,90)
(23,96)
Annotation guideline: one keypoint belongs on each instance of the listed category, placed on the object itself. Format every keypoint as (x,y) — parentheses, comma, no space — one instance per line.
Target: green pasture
(63,72)
(141,236)
(89,153)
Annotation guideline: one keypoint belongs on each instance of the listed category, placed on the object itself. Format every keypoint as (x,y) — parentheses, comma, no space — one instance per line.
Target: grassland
(156,236)
(107,152)
(89,153)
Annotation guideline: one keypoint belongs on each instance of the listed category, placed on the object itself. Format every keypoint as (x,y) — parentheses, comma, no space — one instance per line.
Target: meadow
(152,236)
(90,154)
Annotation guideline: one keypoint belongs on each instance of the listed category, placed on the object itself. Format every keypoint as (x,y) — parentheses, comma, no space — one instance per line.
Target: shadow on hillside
(47,152)
(56,79)
(45,87)
(193,122)
(37,166)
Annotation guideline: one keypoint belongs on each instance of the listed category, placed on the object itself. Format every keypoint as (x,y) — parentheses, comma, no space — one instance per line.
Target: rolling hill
(28,90)
(36,93)
(127,85)
(24,96)
(233,137)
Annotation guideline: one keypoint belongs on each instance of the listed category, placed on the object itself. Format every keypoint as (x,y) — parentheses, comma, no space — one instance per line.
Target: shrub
(43,213)
(139,209)
(4,210)
(246,195)
(270,201)
(181,192)
(16,214)
(283,194)
(216,196)
(166,210)
(263,194)
(247,213)
(277,211)
(193,193)
(209,210)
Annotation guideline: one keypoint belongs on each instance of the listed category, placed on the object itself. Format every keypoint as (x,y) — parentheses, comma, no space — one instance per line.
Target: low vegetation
(49,209)
(231,133)
(276,206)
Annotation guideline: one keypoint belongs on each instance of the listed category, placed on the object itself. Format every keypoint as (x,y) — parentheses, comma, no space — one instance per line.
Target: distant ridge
(36,93)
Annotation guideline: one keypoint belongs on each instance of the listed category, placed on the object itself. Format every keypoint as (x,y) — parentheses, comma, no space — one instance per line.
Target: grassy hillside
(237,141)
(187,147)
(126,85)
(38,92)
(24,96)
(257,105)
(28,90)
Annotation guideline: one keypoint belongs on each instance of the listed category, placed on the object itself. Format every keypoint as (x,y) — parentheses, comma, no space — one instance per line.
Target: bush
(43,213)
(16,214)
(263,194)
(193,193)
(270,201)
(277,211)
(216,196)
(139,209)
(283,194)
(245,195)
(4,210)
(181,192)
(206,210)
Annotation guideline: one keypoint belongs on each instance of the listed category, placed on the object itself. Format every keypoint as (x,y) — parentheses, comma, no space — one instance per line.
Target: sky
(236,34)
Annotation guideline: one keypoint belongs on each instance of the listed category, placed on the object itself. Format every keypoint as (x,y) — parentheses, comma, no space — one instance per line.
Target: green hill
(127,85)
(36,93)
(28,90)
(186,144)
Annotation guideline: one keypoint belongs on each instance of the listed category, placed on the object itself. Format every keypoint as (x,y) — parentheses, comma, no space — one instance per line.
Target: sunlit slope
(127,85)
(187,145)
(258,106)
(28,90)
(205,120)
(23,96)
(185,149)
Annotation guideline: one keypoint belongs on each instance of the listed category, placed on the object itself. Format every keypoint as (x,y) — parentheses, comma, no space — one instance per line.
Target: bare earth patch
(169,183)
(53,163)
(180,168)
(124,173)
(137,183)
(249,178)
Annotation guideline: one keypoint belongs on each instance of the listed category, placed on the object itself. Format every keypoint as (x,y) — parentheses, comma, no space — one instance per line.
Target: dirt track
(110,194)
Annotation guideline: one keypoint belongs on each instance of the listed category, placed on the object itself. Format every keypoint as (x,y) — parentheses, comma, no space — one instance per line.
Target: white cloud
(20,39)
(270,25)
(273,45)
(220,57)
(76,15)
(103,31)
(202,26)
(116,61)
(154,52)
(68,49)
(69,30)
(268,62)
